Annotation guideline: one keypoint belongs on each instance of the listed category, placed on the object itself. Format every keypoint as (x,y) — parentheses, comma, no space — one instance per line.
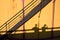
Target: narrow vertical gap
(38,23)
(53,13)
(23,18)
(39,20)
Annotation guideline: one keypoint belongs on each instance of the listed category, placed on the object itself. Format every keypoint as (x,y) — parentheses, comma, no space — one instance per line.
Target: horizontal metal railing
(33,29)
(29,15)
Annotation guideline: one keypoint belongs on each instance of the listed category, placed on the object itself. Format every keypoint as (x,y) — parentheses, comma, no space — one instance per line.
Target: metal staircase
(15,22)
(19,16)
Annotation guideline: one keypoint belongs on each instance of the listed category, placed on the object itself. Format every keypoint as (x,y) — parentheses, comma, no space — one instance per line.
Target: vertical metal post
(23,18)
(53,13)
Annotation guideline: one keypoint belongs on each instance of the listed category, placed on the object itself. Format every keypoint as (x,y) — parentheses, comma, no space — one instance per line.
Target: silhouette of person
(36,29)
(44,28)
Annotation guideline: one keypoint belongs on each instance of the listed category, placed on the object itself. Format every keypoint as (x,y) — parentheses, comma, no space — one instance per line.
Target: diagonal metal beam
(34,11)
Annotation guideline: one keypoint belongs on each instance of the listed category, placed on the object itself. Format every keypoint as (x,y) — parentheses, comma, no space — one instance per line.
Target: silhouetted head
(44,24)
(35,25)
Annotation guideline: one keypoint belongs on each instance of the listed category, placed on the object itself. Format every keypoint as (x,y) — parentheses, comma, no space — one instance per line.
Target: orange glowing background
(8,8)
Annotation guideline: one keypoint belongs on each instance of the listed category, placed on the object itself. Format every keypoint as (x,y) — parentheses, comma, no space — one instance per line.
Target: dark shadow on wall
(36,35)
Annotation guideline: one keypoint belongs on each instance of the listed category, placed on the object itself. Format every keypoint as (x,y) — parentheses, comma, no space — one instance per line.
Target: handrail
(34,11)
(32,29)
(7,26)
(26,7)
(29,14)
